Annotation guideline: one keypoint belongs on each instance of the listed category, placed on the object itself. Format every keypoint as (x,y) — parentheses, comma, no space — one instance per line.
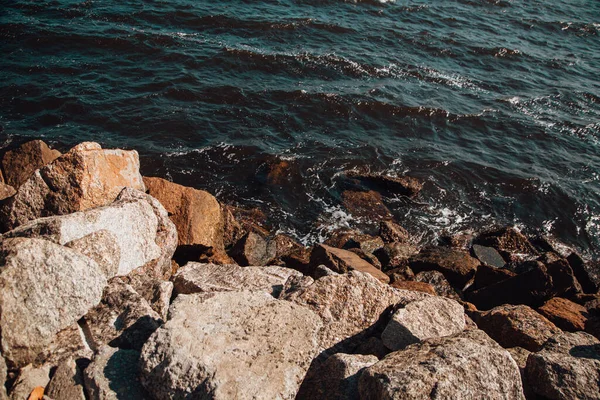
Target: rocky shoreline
(118,286)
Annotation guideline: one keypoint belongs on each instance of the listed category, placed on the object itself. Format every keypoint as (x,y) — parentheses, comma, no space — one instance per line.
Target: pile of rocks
(118,286)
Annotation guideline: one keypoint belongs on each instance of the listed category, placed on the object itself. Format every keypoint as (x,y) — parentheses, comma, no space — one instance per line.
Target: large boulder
(349,304)
(20,163)
(457,266)
(196,214)
(206,278)
(342,261)
(464,366)
(513,326)
(127,234)
(567,367)
(44,288)
(428,318)
(85,177)
(226,345)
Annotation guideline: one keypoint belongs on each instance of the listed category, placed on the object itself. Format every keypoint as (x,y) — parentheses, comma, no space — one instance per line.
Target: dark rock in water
(487,275)
(462,240)
(568,367)
(565,314)
(513,326)
(457,266)
(402,185)
(392,232)
(439,283)
(587,273)
(341,261)
(531,288)
(488,255)
(509,242)
(253,250)
(367,205)
(564,282)
(395,255)
(20,163)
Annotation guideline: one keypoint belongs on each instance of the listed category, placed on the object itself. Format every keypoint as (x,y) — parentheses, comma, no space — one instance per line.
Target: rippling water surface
(494,104)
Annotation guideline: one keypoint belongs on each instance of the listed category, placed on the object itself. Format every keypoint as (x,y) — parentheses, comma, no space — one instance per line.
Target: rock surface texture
(227,345)
(20,163)
(341,261)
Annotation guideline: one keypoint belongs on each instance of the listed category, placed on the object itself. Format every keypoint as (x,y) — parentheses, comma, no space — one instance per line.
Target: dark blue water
(495,104)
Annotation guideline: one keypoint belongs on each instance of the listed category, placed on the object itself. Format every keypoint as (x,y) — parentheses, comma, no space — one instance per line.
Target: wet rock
(509,242)
(113,375)
(391,232)
(428,318)
(486,276)
(129,225)
(488,256)
(566,368)
(42,285)
(240,345)
(367,205)
(587,273)
(196,214)
(208,278)
(342,261)
(565,314)
(86,177)
(66,383)
(415,286)
(6,191)
(513,326)
(337,378)
(395,255)
(252,249)
(402,185)
(457,266)
(531,288)
(29,378)
(20,163)
(349,305)
(123,319)
(439,282)
(464,366)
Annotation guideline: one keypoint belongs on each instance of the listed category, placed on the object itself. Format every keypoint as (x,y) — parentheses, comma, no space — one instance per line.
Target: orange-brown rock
(513,326)
(367,205)
(85,177)
(565,314)
(196,213)
(342,261)
(6,191)
(20,163)
(415,286)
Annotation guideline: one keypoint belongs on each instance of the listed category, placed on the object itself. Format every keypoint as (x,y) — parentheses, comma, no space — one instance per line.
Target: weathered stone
(20,163)
(322,271)
(129,225)
(227,345)
(285,245)
(428,318)
(566,368)
(520,356)
(349,305)
(337,378)
(565,314)
(439,282)
(414,285)
(207,278)
(395,255)
(391,232)
(113,375)
(366,205)
(342,261)
(457,266)
(85,177)
(532,288)
(6,191)
(513,326)
(46,286)
(402,185)
(488,256)
(196,213)
(3,373)
(461,240)
(161,299)
(232,229)
(587,273)
(67,382)
(564,282)
(509,242)
(402,273)
(368,257)
(123,319)
(69,343)
(464,366)
(29,378)
(486,276)
(253,249)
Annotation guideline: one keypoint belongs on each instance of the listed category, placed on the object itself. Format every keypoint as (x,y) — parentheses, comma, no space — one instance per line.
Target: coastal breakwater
(118,286)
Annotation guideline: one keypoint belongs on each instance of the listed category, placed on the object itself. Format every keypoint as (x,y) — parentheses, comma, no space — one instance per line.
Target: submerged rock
(227,345)
(368,205)
(464,366)
(20,163)
(402,185)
